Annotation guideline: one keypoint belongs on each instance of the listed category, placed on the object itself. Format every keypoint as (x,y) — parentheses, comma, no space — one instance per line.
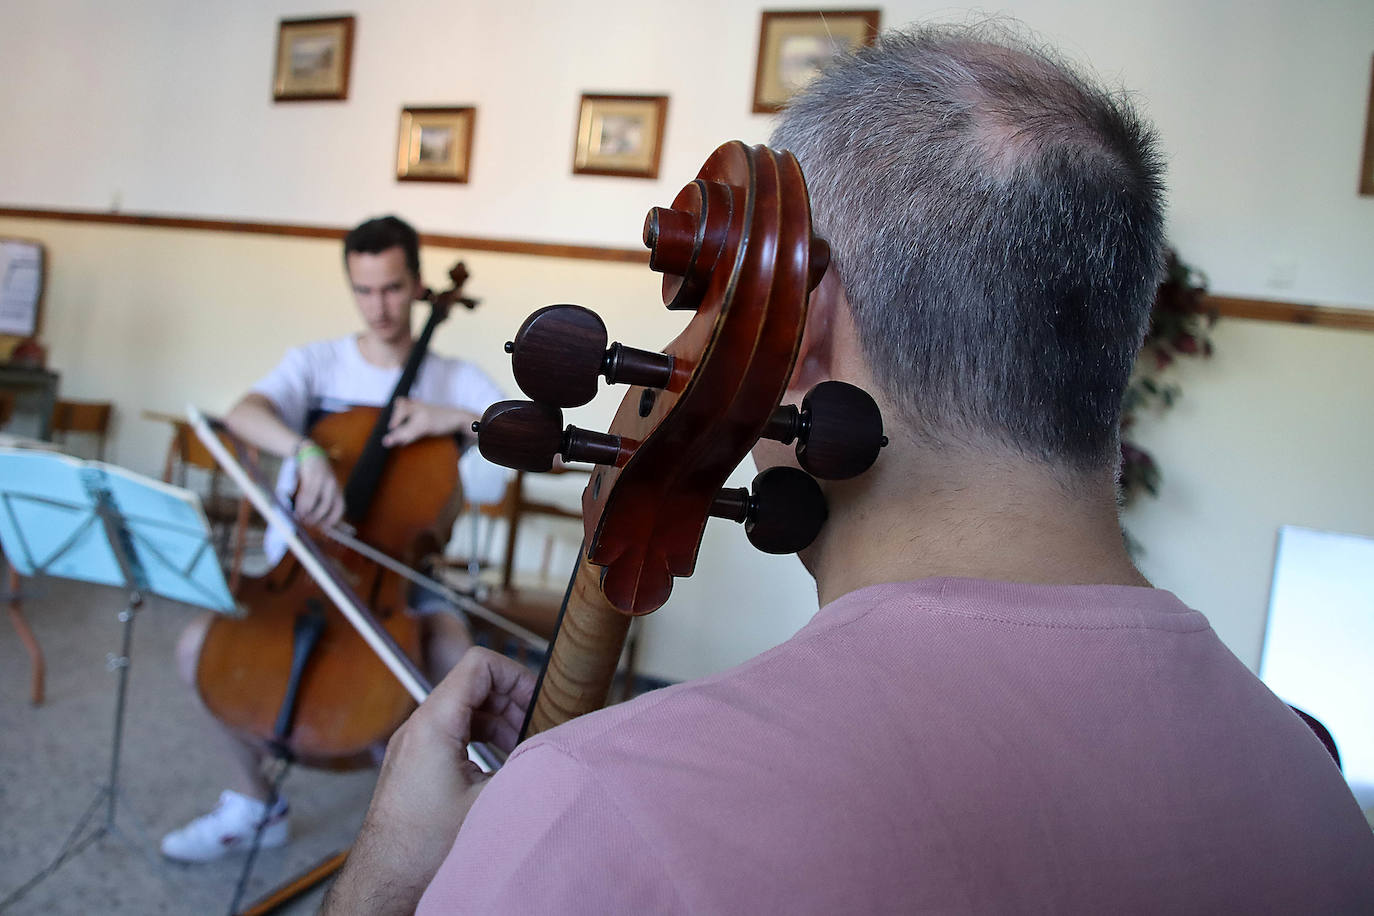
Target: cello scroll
(737,251)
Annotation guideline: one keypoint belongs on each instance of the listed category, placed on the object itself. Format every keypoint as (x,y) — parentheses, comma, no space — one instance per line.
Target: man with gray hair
(993,710)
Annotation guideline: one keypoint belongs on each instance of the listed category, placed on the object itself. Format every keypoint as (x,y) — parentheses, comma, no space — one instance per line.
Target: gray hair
(996,222)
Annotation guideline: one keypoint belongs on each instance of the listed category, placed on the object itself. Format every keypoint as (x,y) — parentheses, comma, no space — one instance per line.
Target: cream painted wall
(164,106)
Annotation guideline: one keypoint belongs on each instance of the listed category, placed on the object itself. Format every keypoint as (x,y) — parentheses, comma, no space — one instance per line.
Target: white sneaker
(229,827)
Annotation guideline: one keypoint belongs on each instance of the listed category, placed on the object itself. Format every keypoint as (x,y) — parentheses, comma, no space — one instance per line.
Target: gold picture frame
(314,57)
(435,144)
(620,135)
(794,44)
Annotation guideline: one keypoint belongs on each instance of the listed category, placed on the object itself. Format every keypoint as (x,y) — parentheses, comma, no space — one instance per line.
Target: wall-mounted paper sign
(21,286)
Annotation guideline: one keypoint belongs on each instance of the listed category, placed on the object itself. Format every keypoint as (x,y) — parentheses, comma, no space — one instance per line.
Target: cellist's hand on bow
(412,420)
(319,502)
(427,784)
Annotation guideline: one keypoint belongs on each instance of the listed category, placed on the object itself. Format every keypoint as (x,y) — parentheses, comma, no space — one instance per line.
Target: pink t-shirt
(946,745)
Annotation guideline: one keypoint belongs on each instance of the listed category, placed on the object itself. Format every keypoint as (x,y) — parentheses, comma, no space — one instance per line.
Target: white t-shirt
(330,376)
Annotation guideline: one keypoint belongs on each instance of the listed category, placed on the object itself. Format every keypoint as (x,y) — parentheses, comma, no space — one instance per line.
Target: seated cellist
(381,261)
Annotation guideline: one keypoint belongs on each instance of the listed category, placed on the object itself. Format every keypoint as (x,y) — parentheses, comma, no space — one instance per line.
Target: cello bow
(316,565)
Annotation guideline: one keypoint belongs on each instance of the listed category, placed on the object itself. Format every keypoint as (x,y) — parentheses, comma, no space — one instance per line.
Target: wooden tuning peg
(526,436)
(783,514)
(560,351)
(838,430)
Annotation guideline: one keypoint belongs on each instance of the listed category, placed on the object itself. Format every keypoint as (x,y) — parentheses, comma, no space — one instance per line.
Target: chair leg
(21,626)
(240,541)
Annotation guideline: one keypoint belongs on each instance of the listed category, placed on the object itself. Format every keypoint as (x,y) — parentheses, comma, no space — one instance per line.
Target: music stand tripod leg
(107,794)
(121,663)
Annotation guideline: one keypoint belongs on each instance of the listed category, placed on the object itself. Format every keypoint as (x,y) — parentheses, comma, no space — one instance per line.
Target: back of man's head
(377,235)
(996,224)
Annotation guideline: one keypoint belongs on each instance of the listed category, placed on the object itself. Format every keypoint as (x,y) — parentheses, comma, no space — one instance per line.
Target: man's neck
(383,354)
(918,515)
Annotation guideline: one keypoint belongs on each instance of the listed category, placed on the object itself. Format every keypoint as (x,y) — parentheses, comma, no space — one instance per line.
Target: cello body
(348,702)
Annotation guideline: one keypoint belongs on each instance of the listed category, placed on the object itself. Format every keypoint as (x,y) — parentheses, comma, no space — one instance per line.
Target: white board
(1319,642)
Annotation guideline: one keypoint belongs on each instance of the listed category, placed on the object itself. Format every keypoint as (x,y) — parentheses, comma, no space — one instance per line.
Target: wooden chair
(230,514)
(533,606)
(11,593)
(86,417)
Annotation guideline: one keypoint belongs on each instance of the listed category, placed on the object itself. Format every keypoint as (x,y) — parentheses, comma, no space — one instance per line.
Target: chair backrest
(186,450)
(516,508)
(91,417)
(6,406)
(231,515)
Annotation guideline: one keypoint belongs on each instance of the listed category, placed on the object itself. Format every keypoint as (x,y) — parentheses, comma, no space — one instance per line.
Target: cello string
(557,627)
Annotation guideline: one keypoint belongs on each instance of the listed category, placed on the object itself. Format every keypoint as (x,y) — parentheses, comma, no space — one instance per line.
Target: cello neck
(362,483)
(583,659)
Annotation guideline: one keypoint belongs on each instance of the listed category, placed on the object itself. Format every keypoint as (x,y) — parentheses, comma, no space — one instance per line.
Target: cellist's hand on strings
(319,502)
(412,420)
(428,785)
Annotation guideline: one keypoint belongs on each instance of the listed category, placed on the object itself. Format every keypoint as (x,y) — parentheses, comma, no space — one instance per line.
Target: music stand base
(108,793)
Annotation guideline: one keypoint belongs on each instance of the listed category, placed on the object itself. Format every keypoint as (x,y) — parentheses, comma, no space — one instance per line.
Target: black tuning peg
(838,430)
(526,436)
(560,351)
(784,513)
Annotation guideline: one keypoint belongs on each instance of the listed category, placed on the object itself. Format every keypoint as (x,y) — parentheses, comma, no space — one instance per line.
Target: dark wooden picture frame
(620,135)
(435,144)
(1367,161)
(793,43)
(313,60)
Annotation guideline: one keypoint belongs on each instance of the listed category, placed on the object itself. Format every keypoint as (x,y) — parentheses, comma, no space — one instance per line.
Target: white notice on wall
(21,284)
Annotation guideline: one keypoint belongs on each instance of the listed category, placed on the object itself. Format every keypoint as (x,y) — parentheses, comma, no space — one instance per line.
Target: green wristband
(309,449)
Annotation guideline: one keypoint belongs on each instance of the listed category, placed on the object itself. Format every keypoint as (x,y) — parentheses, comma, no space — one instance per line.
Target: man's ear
(816,356)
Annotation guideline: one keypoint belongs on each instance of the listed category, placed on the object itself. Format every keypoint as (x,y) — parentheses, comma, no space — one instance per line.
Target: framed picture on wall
(313,59)
(435,144)
(620,135)
(1367,163)
(795,44)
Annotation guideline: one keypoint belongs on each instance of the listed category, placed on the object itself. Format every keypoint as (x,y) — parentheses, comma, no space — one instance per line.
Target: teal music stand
(66,518)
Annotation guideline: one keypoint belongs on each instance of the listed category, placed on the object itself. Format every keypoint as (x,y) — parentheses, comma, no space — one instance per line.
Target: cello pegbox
(526,436)
(838,430)
(783,514)
(560,351)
